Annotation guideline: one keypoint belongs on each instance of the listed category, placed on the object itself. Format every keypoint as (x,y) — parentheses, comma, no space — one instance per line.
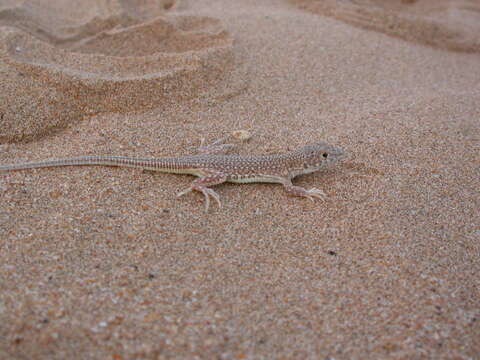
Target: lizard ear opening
(325,155)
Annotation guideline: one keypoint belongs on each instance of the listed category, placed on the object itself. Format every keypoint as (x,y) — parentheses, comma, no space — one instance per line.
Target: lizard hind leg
(217,147)
(202,185)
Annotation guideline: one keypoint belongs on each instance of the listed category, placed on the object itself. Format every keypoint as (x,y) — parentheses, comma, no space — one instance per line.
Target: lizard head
(318,155)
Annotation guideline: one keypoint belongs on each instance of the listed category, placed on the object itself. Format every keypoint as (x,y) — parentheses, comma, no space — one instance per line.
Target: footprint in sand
(62,59)
(445,24)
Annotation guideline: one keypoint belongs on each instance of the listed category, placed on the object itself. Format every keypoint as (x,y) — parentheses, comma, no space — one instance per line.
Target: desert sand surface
(107,263)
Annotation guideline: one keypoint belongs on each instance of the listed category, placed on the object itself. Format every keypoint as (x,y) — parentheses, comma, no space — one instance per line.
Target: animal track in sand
(445,24)
(63,59)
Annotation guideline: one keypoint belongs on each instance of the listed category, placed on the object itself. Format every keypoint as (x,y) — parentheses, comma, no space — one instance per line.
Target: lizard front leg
(208,178)
(302,192)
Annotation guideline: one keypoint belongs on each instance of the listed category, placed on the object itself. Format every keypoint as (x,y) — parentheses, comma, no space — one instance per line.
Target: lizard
(213,167)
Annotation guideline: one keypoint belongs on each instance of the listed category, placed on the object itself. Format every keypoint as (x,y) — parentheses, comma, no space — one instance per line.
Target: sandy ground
(106,263)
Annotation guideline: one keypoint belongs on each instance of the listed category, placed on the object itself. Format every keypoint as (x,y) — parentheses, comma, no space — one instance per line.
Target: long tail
(153,164)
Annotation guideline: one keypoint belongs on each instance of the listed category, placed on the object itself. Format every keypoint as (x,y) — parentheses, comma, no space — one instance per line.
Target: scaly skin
(213,168)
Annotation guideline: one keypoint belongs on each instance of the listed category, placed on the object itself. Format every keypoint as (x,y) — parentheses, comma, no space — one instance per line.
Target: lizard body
(214,169)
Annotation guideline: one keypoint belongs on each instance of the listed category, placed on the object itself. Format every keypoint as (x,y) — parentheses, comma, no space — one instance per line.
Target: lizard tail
(85,161)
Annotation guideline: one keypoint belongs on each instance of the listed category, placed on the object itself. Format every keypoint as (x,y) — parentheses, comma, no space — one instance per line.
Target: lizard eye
(325,155)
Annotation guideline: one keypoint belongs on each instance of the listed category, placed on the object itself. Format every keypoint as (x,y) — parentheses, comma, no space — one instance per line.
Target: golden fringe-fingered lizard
(213,168)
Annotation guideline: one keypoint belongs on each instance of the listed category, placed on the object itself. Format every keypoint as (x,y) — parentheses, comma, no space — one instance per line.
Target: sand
(106,263)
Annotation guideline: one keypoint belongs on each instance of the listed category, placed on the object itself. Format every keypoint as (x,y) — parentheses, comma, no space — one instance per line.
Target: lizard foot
(217,147)
(311,194)
(207,192)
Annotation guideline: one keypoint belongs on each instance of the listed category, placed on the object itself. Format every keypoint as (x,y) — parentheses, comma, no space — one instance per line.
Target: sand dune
(107,263)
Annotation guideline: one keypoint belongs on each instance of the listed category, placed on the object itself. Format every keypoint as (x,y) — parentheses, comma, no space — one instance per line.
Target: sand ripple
(445,24)
(60,63)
